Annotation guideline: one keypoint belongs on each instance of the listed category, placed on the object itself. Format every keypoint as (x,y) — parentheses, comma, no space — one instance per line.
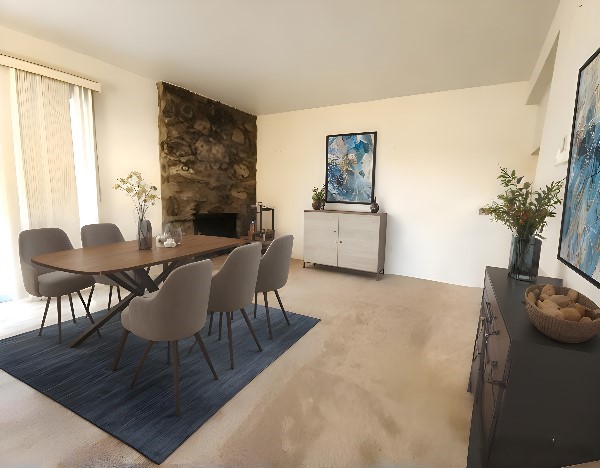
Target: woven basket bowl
(559,329)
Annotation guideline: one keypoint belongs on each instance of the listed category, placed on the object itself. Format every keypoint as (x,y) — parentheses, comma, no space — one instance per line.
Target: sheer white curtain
(84,152)
(10,219)
(48,161)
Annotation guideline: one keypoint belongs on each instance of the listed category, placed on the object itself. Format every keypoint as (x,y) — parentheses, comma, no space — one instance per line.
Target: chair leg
(251,329)
(220,324)
(282,309)
(119,293)
(268,316)
(212,314)
(110,296)
(44,318)
(58,310)
(89,301)
(120,350)
(141,364)
(206,356)
(72,309)
(230,338)
(255,302)
(87,310)
(176,374)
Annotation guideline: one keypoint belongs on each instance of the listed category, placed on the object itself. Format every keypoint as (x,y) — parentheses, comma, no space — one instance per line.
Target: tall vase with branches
(525,212)
(143,195)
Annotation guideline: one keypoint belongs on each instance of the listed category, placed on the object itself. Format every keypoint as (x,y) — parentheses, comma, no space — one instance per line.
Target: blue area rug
(144,418)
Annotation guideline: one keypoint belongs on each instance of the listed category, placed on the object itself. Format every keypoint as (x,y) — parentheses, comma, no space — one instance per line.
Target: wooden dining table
(127,266)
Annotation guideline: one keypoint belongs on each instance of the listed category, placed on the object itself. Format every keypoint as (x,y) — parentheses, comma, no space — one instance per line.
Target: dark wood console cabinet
(536,401)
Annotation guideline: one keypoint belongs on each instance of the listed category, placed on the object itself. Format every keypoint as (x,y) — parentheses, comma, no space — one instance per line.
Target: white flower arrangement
(141,193)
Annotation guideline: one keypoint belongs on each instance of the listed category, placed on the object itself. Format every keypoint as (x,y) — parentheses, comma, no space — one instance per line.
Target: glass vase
(524,258)
(144,234)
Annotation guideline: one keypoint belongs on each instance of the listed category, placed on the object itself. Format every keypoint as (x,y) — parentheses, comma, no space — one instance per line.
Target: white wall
(579,39)
(126,113)
(438,157)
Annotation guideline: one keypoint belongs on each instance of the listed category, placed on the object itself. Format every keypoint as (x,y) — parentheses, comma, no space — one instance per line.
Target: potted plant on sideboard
(525,212)
(318,198)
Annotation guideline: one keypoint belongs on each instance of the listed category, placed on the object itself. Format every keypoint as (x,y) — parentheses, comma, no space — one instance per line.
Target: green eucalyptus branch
(520,208)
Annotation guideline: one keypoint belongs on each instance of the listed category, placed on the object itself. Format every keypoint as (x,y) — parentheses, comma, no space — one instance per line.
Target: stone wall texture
(207,158)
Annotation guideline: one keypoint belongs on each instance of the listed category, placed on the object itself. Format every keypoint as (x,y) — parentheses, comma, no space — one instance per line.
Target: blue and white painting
(351,167)
(580,232)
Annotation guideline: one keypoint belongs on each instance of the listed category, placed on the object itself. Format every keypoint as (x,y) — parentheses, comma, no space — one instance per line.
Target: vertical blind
(48,163)
(52,158)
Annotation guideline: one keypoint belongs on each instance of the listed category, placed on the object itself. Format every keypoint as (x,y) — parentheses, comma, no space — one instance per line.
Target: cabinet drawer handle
(491,379)
(499,383)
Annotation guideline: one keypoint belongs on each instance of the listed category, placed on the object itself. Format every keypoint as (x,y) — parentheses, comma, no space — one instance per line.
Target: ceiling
(269,56)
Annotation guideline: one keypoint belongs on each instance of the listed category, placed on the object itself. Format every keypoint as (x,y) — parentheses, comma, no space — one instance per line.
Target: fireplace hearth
(216,224)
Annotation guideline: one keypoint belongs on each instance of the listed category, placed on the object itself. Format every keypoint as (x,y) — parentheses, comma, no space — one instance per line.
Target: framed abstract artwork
(579,246)
(350,171)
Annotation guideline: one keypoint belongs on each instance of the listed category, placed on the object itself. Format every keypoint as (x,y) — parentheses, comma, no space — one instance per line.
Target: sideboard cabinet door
(320,238)
(358,246)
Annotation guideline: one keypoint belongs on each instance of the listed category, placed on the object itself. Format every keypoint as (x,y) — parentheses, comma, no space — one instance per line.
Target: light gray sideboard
(345,239)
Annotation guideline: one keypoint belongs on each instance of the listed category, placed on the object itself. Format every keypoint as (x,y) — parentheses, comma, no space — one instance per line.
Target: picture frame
(579,244)
(350,168)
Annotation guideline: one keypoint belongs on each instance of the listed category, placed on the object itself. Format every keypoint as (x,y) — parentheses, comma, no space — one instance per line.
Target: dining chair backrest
(178,309)
(100,234)
(34,242)
(39,241)
(233,286)
(275,265)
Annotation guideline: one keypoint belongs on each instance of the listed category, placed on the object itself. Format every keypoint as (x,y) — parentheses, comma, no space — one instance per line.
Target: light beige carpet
(382,379)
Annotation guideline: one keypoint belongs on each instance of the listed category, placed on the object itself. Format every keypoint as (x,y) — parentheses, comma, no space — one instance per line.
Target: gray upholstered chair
(101,234)
(174,312)
(232,288)
(273,273)
(40,281)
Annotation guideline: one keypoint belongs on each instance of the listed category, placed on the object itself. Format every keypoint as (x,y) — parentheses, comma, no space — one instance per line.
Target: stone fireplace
(207,160)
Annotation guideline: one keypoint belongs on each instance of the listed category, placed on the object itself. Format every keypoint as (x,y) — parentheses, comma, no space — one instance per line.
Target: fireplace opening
(216,224)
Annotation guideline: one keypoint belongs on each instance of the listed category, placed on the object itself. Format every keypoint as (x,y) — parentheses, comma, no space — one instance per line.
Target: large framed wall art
(579,246)
(350,171)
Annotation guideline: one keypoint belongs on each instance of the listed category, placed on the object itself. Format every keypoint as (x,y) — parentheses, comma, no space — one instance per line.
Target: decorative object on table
(350,169)
(170,242)
(263,233)
(167,231)
(524,211)
(561,313)
(374,205)
(318,198)
(580,227)
(143,195)
(177,235)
